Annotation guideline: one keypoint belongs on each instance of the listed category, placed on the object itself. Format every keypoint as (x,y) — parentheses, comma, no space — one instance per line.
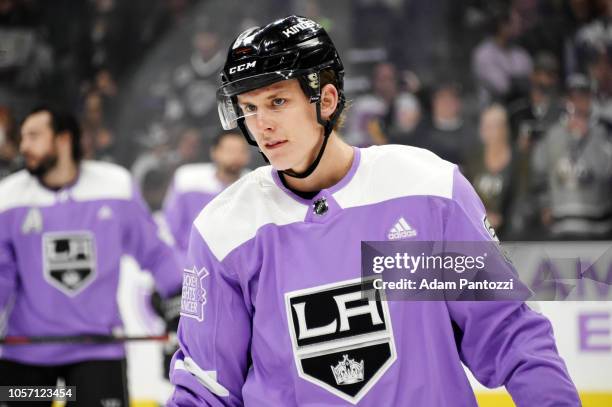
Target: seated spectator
(501,68)
(156,159)
(193,80)
(530,119)
(572,170)
(600,72)
(532,116)
(447,133)
(590,52)
(97,138)
(374,106)
(401,127)
(491,170)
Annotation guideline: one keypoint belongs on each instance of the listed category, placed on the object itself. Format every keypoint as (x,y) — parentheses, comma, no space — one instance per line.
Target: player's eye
(278,102)
(249,108)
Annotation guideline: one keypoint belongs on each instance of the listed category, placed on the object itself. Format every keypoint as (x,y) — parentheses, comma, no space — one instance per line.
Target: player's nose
(264,121)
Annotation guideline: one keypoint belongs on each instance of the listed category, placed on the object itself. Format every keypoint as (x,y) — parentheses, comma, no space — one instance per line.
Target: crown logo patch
(347,371)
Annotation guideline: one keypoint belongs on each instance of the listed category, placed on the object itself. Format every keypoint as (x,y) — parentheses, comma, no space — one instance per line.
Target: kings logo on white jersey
(342,336)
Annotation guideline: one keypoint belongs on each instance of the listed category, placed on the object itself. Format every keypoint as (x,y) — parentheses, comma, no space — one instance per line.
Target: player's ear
(63,144)
(64,138)
(329,100)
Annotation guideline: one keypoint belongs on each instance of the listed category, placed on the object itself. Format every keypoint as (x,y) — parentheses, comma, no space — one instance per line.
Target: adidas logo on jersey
(401,230)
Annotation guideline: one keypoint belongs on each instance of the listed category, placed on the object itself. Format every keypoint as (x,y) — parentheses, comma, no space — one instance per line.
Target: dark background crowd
(518,93)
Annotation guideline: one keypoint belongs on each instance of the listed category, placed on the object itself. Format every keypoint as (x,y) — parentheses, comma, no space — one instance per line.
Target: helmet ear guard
(311,86)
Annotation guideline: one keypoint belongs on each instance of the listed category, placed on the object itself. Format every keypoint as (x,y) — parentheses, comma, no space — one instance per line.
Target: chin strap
(328,127)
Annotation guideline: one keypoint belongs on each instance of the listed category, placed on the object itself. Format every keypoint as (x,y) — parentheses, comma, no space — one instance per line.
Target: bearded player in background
(64,225)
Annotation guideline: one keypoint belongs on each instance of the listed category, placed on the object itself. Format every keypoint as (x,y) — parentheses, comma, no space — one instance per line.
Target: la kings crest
(69,260)
(341,341)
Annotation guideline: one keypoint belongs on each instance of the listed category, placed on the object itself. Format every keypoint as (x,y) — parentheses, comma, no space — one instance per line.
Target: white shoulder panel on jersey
(102,180)
(237,213)
(197,178)
(22,189)
(393,171)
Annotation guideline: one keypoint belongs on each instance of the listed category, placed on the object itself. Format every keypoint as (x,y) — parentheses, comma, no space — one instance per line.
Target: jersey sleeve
(8,264)
(143,240)
(211,365)
(504,342)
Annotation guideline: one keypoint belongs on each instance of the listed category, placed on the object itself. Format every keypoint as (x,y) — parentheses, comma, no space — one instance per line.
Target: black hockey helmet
(290,48)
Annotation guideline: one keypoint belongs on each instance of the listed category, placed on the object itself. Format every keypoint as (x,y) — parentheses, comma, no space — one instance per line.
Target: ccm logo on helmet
(240,68)
(296,28)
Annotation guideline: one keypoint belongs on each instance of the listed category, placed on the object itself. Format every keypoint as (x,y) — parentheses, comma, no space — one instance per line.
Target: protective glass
(229,112)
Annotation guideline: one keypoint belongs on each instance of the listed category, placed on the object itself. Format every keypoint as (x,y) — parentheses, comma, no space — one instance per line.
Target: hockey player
(195,185)
(272,313)
(64,225)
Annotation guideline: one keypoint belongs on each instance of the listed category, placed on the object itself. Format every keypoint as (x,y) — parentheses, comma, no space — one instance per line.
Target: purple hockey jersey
(60,255)
(272,313)
(193,187)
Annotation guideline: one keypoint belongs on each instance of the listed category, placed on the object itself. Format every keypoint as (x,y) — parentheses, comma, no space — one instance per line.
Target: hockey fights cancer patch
(193,297)
(69,260)
(341,341)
